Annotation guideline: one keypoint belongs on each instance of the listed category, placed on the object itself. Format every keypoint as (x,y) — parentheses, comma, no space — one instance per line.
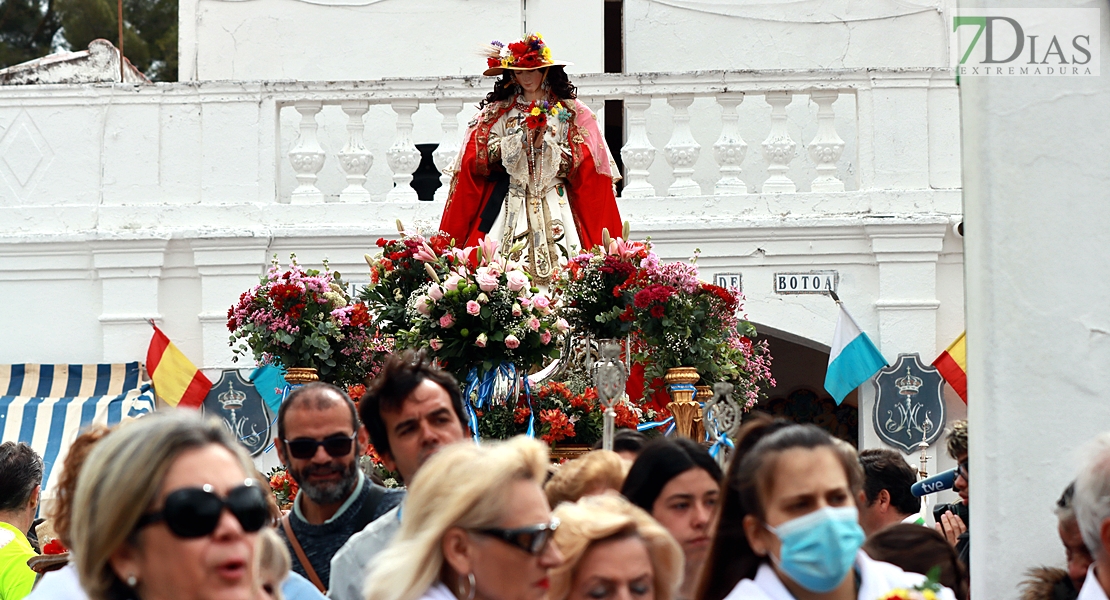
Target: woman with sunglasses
(165,509)
(614,550)
(789,524)
(475,526)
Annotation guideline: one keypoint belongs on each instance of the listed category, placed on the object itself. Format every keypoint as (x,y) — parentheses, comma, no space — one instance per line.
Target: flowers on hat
(529,53)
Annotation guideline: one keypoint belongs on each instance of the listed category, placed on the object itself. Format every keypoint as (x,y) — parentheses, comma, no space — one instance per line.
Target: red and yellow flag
(176,380)
(952,364)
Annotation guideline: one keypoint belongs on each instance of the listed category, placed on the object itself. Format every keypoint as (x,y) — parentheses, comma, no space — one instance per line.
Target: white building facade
(777,137)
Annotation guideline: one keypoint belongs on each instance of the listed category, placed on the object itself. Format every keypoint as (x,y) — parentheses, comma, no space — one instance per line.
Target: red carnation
(657,311)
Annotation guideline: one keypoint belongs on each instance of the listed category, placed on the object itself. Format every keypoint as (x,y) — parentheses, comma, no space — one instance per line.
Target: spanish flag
(952,364)
(176,379)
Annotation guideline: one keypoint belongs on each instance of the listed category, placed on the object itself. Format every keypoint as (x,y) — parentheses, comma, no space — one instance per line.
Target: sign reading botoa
(812,282)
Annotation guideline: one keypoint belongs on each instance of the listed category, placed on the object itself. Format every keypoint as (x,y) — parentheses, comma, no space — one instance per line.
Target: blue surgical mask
(820,548)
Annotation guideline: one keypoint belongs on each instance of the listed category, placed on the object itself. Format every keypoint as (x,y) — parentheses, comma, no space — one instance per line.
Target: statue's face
(529,81)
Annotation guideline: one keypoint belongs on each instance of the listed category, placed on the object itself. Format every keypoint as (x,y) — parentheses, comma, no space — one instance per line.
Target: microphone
(936,483)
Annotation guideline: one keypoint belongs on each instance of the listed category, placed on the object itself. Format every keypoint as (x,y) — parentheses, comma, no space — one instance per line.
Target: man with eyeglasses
(953,520)
(319,440)
(411,410)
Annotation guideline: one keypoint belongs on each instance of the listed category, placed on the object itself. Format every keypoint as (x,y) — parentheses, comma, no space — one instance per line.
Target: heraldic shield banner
(909,403)
(244,413)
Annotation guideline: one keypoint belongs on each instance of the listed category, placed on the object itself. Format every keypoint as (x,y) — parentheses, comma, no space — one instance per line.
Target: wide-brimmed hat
(528,54)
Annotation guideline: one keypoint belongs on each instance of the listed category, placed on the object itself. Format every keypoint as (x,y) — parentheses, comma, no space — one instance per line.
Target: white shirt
(1092,589)
(62,584)
(438,591)
(876,579)
(349,565)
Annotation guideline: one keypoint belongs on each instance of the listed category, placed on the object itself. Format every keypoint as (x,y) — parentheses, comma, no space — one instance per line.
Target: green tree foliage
(27,28)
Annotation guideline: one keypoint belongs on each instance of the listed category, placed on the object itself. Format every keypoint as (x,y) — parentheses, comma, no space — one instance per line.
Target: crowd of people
(170,506)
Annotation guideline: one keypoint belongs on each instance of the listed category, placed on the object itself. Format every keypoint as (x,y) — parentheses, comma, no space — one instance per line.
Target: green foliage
(27,28)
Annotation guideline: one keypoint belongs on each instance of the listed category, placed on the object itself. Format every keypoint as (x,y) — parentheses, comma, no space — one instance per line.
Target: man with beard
(319,440)
(411,409)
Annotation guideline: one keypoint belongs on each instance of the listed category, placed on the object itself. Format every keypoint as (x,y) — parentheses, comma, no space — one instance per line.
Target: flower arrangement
(373,466)
(483,313)
(926,590)
(282,485)
(561,415)
(398,270)
(594,297)
(680,321)
(304,318)
(539,111)
(529,53)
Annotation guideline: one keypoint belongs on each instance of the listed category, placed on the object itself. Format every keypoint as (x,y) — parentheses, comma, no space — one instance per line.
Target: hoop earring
(471,588)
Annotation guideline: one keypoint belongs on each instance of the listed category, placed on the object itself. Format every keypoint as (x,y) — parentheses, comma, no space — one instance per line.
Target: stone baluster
(826,147)
(402,156)
(730,148)
(355,159)
(307,156)
(778,148)
(637,153)
(444,156)
(682,150)
(597,106)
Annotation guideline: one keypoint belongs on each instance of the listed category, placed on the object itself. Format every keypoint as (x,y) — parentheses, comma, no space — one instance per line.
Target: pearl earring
(132,581)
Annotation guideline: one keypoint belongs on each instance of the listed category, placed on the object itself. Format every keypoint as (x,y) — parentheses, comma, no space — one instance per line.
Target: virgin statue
(534,168)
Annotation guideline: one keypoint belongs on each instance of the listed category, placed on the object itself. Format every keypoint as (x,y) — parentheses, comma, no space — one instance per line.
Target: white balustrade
(682,150)
(730,148)
(637,153)
(826,147)
(447,152)
(354,158)
(778,148)
(307,156)
(402,156)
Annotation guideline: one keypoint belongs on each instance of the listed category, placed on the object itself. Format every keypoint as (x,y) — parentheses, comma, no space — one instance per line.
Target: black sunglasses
(962,470)
(532,539)
(194,512)
(335,445)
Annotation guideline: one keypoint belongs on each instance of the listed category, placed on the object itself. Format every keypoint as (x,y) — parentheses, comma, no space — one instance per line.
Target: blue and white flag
(853,359)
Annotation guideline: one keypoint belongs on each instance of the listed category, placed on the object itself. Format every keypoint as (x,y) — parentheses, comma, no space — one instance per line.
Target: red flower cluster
(730,299)
(356,391)
(558,426)
(653,293)
(613,265)
(527,55)
(360,315)
(289,298)
(520,415)
(625,417)
(536,121)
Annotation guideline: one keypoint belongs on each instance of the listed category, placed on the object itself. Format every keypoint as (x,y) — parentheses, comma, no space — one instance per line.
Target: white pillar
(682,150)
(730,148)
(307,156)
(402,156)
(778,148)
(637,153)
(129,272)
(448,151)
(355,159)
(227,268)
(826,147)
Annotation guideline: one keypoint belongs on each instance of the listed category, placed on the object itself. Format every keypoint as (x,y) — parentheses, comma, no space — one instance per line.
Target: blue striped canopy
(48,406)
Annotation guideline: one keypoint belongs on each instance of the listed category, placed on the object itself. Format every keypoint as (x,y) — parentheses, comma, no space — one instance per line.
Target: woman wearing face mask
(475,526)
(789,525)
(614,551)
(534,168)
(677,482)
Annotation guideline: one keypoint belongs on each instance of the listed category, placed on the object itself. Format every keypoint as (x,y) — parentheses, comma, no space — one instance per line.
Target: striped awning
(47,406)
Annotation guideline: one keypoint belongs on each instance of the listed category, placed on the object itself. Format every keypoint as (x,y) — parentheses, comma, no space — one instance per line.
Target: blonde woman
(614,549)
(475,526)
(165,509)
(592,473)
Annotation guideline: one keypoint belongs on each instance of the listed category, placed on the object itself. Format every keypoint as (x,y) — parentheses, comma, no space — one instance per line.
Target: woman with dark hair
(534,169)
(789,525)
(677,482)
(919,549)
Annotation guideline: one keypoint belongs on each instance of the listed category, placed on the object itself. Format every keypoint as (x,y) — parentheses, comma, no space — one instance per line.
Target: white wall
(1037,203)
(329,40)
(685,35)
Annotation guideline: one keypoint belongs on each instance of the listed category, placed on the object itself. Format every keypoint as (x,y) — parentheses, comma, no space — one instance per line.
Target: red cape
(592,202)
